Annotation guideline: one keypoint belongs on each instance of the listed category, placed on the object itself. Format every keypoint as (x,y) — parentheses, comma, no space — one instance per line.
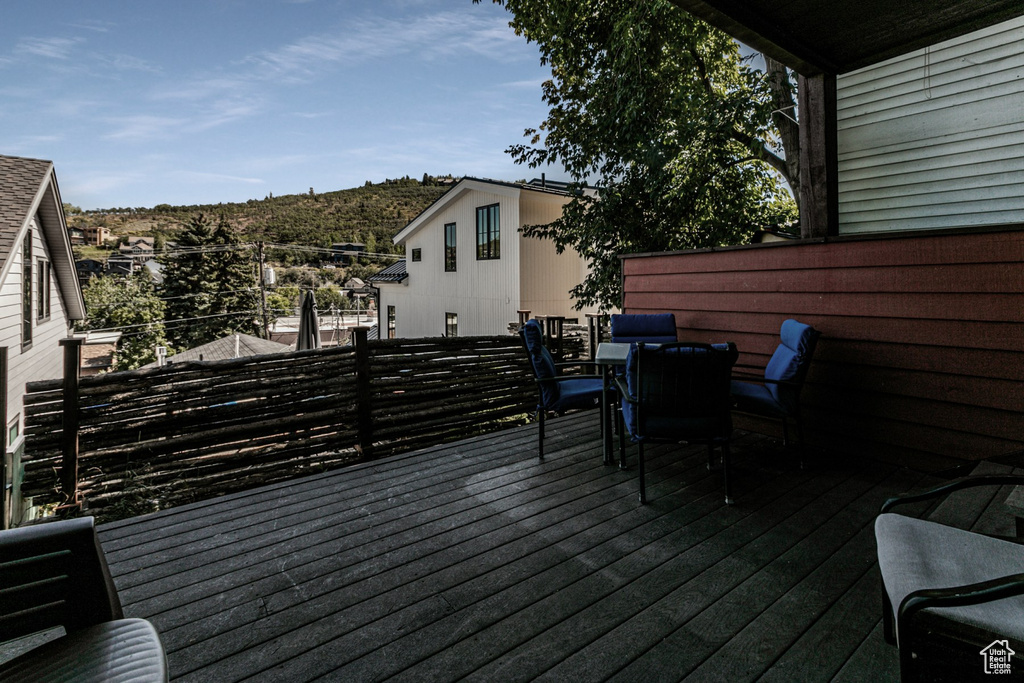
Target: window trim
(27,309)
(417,255)
(44,274)
(488,232)
(451,263)
(391,321)
(451,324)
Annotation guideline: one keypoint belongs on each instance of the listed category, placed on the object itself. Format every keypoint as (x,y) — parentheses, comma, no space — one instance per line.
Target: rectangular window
(391,322)
(417,254)
(449,248)
(26,291)
(43,291)
(488,233)
(451,324)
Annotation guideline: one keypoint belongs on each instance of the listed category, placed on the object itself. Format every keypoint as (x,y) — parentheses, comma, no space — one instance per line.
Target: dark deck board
(476,560)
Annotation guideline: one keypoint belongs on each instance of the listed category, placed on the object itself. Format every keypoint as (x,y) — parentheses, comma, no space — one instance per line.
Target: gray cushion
(122,651)
(915,554)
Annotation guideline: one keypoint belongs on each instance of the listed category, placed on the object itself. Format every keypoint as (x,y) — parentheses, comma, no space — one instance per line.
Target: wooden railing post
(364,415)
(594,331)
(69,422)
(9,466)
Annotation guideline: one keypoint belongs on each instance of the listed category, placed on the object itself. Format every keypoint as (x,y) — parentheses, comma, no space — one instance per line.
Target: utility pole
(263,292)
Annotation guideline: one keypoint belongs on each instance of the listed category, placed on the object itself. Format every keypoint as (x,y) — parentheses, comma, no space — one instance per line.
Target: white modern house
(468,268)
(39,292)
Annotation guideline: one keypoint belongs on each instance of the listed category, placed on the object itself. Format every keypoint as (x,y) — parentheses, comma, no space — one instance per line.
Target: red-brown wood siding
(922,355)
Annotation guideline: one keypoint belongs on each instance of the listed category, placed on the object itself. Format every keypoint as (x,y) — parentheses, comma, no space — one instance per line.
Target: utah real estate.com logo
(997,657)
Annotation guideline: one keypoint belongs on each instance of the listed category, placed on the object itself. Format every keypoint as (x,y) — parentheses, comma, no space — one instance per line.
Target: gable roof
(468,184)
(28,187)
(224,349)
(836,36)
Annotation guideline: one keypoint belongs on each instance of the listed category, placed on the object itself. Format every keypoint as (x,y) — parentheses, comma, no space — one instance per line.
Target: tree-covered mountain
(371,214)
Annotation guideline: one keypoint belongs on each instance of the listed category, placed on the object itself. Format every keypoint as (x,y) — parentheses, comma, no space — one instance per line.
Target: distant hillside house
(96,235)
(120,265)
(88,269)
(140,249)
(226,348)
(468,268)
(39,291)
(345,252)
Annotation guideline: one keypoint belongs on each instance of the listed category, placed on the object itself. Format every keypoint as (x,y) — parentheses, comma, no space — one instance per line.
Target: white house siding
(482,293)
(43,360)
(546,277)
(935,139)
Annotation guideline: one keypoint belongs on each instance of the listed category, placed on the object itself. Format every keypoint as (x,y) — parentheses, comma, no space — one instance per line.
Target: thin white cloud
(206,177)
(144,127)
(51,48)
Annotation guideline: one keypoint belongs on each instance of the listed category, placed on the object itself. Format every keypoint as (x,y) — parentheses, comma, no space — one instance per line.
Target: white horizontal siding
(935,139)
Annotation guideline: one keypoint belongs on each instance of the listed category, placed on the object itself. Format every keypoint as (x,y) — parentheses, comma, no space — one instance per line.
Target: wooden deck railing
(192,430)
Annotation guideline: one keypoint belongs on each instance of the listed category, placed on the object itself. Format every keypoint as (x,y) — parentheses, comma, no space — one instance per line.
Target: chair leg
(785,433)
(640,468)
(540,432)
(725,474)
(888,622)
(800,436)
(621,426)
(711,456)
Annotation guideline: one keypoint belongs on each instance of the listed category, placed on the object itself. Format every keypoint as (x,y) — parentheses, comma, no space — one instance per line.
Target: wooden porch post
(364,394)
(8,465)
(819,160)
(69,423)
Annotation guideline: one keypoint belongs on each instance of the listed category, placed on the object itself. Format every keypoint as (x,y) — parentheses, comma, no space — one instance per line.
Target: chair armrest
(954,485)
(959,596)
(620,384)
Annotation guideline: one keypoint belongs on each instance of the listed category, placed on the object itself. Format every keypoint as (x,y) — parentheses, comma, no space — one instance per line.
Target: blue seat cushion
(576,393)
(756,398)
(655,328)
(789,359)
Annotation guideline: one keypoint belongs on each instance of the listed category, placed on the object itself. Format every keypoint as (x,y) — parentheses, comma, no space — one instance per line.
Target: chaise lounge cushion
(121,651)
(915,554)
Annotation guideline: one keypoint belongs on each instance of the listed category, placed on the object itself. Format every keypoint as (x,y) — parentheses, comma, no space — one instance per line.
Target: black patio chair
(557,393)
(55,575)
(678,392)
(953,600)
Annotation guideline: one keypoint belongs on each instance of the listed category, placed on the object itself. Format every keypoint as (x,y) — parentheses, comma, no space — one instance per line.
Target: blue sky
(139,102)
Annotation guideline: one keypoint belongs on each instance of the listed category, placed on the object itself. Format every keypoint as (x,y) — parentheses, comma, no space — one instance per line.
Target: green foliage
(211,281)
(660,111)
(132,304)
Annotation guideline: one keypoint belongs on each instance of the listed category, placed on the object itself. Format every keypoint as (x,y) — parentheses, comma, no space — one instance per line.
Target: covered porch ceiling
(836,36)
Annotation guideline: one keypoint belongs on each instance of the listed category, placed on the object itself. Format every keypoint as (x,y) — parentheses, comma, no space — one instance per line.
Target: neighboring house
(98,352)
(88,269)
(39,290)
(76,236)
(469,269)
(345,252)
(156,271)
(140,249)
(120,265)
(96,235)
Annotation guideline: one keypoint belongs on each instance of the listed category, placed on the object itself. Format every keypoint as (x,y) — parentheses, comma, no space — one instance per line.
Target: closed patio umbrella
(309,325)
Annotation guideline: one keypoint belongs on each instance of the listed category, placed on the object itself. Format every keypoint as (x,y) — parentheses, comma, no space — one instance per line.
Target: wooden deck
(477,561)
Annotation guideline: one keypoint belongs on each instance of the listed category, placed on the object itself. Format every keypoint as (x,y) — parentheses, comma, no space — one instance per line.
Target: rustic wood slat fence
(192,430)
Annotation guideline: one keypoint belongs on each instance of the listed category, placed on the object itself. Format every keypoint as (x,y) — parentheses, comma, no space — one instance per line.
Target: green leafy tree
(131,306)
(663,115)
(210,283)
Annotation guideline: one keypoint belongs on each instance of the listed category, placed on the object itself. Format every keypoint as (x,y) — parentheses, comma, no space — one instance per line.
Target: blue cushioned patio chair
(679,392)
(776,394)
(653,328)
(950,598)
(557,392)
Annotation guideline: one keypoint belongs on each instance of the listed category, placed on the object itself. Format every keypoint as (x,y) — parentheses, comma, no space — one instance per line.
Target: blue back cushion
(790,360)
(541,360)
(654,328)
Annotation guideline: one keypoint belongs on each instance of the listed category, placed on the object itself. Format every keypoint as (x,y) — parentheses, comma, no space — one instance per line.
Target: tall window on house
(451,324)
(488,233)
(391,322)
(26,291)
(449,248)
(43,290)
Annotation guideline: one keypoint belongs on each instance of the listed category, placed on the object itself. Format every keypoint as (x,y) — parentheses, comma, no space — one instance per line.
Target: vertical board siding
(922,354)
(935,138)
